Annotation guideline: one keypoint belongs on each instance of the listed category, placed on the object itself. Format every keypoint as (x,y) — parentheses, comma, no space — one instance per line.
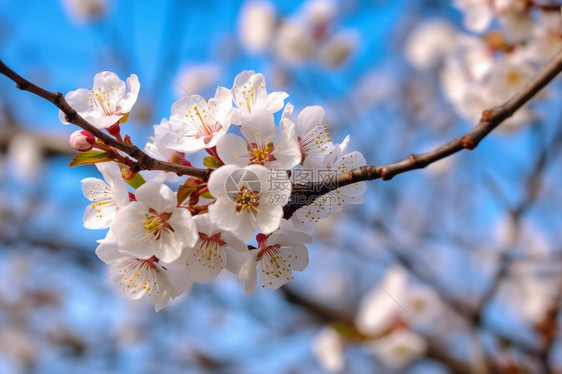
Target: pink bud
(82,140)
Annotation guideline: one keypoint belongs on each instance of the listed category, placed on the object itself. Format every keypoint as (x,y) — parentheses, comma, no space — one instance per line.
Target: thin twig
(143,160)
(491,119)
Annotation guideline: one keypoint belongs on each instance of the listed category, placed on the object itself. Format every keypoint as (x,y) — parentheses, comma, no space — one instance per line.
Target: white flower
(155,147)
(25,157)
(83,11)
(337,50)
(306,217)
(399,348)
(517,25)
(328,349)
(196,124)
(196,79)
(107,102)
(509,75)
(545,39)
(153,225)
(250,95)
(215,250)
(379,307)
(312,135)
(136,277)
(107,196)
(422,304)
(318,14)
(248,199)
(261,148)
(275,259)
(256,25)
(478,14)
(429,42)
(294,43)
(395,298)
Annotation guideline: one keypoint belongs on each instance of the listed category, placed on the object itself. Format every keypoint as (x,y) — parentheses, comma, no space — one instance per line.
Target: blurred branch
(469,314)
(491,119)
(144,161)
(326,315)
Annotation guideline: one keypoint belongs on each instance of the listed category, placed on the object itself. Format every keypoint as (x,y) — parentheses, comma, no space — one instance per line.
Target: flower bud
(82,140)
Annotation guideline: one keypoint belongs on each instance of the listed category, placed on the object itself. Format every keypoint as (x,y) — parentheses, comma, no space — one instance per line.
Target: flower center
(149,262)
(103,100)
(247,200)
(513,78)
(260,155)
(155,223)
(214,238)
(207,129)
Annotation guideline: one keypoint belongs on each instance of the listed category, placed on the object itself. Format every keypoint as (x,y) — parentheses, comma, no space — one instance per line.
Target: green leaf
(207,195)
(211,162)
(136,181)
(91,157)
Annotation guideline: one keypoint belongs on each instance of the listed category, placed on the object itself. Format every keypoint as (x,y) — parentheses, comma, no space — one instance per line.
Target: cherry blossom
(313,137)
(244,201)
(136,277)
(196,124)
(107,196)
(256,25)
(336,162)
(379,307)
(275,259)
(250,95)
(429,43)
(260,146)
(153,239)
(153,225)
(107,102)
(399,348)
(328,348)
(214,250)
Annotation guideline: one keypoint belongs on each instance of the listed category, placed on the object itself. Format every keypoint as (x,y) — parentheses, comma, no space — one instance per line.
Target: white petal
(205,261)
(245,230)
(101,121)
(156,196)
(108,252)
(130,98)
(287,151)
(275,270)
(259,127)
(308,119)
(77,100)
(223,214)
(233,149)
(108,78)
(275,101)
(248,273)
(268,218)
(217,181)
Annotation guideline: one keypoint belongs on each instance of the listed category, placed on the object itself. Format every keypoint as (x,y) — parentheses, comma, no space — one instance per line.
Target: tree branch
(300,194)
(144,161)
(491,119)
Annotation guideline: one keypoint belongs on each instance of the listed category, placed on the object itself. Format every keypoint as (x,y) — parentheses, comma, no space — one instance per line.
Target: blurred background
(452,269)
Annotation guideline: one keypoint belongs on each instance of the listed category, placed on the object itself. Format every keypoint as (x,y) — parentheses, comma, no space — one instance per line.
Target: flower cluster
(507,44)
(388,323)
(310,34)
(162,238)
